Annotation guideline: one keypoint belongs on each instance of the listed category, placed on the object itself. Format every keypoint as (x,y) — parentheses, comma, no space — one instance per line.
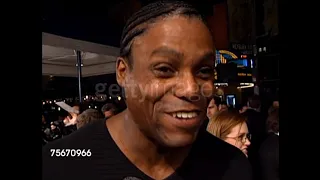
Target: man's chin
(178,140)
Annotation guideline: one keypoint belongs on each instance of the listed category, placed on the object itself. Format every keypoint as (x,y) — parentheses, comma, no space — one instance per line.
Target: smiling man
(166,69)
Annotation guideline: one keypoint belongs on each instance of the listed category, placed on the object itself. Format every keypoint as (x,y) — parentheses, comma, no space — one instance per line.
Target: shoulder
(270,146)
(270,142)
(223,158)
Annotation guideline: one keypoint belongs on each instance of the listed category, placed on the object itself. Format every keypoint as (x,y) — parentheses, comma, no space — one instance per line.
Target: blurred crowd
(72,121)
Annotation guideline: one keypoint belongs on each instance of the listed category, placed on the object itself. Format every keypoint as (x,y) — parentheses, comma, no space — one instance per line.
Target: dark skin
(172,71)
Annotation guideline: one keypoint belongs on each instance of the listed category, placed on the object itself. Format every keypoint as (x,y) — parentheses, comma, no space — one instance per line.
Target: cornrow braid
(138,23)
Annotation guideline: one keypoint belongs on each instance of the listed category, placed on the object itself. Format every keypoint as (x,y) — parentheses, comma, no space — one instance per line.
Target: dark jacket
(269,158)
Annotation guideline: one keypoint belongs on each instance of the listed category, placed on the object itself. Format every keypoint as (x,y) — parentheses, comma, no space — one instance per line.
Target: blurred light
(110,97)
(260,49)
(245,85)
(43,103)
(77,65)
(265,49)
(54,101)
(87,97)
(59,109)
(50,102)
(95,107)
(221,84)
(119,98)
(89,107)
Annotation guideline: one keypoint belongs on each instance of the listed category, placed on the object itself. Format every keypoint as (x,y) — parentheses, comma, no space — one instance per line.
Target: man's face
(171,79)
(212,109)
(53,127)
(223,107)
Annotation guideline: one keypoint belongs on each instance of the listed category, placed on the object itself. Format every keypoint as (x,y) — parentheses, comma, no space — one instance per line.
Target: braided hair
(139,22)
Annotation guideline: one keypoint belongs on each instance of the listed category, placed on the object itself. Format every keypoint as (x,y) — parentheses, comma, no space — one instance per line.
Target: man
(166,69)
(256,122)
(223,106)
(269,150)
(108,110)
(214,106)
(87,117)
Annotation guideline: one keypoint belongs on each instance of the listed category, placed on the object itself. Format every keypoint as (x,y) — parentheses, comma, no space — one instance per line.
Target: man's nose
(187,87)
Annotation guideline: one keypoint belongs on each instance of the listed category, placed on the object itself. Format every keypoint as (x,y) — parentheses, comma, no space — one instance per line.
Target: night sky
(67,87)
(97,21)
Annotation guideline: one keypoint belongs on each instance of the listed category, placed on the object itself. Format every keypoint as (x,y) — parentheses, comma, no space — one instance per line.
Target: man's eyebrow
(164,50)
(208,56)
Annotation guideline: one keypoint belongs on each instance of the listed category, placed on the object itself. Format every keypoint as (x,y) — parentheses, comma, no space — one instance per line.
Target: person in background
(214,106)
(269,150)
(70,121)
(274,106)
(87,117)
(257,127)
(43,120)
(256,122)
(45,131)
(166,59)
(108,110)
(44,124)
(231,127)
(243,109)
(55,132)
(223,106)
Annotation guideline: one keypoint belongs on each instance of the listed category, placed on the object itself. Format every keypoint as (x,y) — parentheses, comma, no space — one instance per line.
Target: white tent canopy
(59,57)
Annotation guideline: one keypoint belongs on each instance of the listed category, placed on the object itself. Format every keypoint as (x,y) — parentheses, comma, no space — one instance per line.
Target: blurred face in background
(223,107)
(239,137)
(53,127)
(212,108)
(243,109)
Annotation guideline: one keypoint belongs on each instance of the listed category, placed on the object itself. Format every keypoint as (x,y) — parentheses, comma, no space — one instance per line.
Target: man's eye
(206,72)
(164,71)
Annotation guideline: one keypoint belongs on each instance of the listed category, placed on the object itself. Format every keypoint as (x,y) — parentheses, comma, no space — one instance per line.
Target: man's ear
(122,69)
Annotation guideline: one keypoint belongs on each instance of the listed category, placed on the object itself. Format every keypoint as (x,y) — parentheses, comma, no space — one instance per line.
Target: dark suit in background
(256,122)
(269,158)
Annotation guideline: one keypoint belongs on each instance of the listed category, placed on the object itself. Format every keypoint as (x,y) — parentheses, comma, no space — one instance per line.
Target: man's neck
(142,151)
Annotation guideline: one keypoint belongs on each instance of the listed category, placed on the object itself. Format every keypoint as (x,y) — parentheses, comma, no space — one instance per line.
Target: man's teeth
(185,115)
